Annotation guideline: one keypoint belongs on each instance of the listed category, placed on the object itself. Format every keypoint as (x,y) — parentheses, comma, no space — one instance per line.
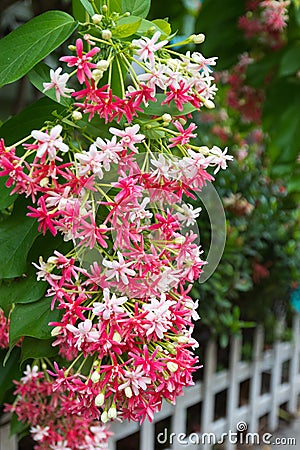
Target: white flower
(90,161)
(84,333)
(58,82)
(30,373)
(158,316)
(38,433)
(118,269)
(220,158)
(62,445)
(49,143)
(188,214)
(140,212)
(129,136)
(111,305)
(147,47)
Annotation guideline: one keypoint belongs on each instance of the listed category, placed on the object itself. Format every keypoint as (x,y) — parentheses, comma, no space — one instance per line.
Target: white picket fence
(284,389)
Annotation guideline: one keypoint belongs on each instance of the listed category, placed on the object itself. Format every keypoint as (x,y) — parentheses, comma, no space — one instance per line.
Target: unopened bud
(198,38)
(179,240)
(104,417)
(95,378)
(55,331)
(44,182)
(97,19)
(128,392)
(117,337)
(127,14)
(76,115)
(99,400)
(112,412)
(182,340)
(44,366)
(72,48)
(182,121)
(103,65)
(104,8)
(97,74)
(106,34)
(166,117)
(172,367)
(209,104)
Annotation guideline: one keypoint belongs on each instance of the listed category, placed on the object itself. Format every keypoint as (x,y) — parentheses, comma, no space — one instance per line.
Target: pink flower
(82,61)
(135,380)
(58,82)
(184,136)
(158,316)
(147,47)
(129,136)
(49,143)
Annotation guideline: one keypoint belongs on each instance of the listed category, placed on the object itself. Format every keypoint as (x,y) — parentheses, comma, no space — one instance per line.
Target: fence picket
(233,389)
(255,386)
(208,390)
(294,367)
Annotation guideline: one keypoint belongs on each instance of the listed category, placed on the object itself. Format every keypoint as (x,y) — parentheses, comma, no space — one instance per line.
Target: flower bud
(104,417)
(166,117)
(103,65)
(95,378)
(72,48)
(97,19)
(97,74)
(117,337)
(106,34)
(209,104)
(182,121)
(44,182)
(128,392)
(172,367)
(198,38)
(76,115)
(104,8)
(112,412)
(55,331)
(99,400)
(179,240)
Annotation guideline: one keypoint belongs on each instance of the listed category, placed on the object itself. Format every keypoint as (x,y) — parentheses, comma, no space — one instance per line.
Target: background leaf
(32,117)
(9,372)
(24,47)
(127,26)
(139,8)
(37,348)
(5,198)
(32,320)
(17,234)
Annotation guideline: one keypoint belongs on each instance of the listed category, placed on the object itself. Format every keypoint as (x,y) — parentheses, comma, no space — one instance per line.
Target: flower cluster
(42,407)
(123,291)
(4,330)
(265,20)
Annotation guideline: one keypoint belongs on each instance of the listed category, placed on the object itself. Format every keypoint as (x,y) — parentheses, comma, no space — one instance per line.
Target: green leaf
(156,109)
(36,348)
(146,25)
(41,74)
(290,62)
(32,117)
(163,26)
(17,234)
(24,47)
(5,198)
(127,26)
(9,372)
(115,6)
(17,427)
(32,320)
(88,7)
(25,289)
(139,8)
